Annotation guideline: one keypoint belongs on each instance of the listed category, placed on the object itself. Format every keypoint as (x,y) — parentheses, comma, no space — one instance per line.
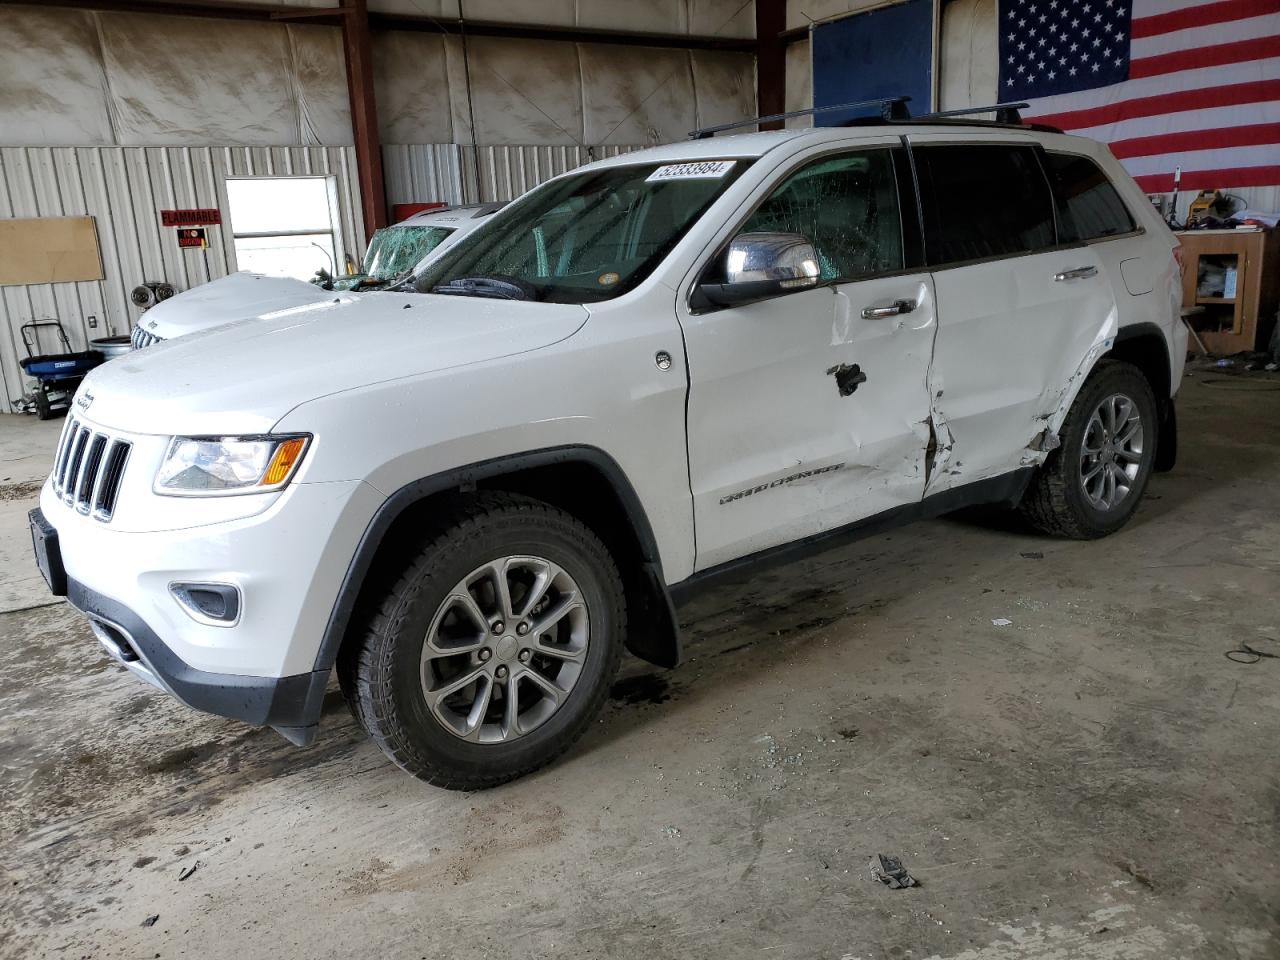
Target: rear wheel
(1091,485)
(496,647)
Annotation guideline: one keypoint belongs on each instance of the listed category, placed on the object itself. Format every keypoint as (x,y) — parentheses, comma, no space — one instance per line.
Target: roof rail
(891,108)
(1005,112)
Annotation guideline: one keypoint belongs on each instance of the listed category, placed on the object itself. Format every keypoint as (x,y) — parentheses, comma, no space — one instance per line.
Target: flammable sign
(192,237)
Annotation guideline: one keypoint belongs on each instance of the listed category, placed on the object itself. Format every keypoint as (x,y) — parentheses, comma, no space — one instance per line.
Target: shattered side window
(847,207)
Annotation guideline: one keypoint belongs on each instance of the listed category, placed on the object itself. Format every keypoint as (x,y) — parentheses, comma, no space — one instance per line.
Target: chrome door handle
(1079,273)
(896,308)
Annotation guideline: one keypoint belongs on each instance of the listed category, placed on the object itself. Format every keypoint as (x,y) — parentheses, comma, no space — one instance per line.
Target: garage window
(283,226)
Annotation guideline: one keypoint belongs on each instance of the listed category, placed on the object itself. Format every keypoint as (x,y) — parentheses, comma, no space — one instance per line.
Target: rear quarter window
(1089,206)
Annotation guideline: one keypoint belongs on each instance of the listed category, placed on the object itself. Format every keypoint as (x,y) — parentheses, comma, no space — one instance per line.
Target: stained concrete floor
(1094,780)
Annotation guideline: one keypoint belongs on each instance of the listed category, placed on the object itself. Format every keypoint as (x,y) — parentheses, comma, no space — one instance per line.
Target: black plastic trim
(466,478)
(1005,489)
(291,704)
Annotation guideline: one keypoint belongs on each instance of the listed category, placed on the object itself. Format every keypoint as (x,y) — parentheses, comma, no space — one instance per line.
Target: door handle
(1079,273)
(895,309)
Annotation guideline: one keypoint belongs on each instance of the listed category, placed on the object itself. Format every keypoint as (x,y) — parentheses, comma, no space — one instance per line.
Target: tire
(399,678)
(1057,502)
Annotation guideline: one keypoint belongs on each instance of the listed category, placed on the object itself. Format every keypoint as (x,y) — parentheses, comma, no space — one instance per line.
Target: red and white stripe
(1203,95)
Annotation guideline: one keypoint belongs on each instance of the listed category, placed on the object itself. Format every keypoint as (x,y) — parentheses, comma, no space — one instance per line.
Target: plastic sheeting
(84,78)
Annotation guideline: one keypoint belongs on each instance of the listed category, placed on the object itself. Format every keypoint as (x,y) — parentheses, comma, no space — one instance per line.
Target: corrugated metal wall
(124,189)
(425,172)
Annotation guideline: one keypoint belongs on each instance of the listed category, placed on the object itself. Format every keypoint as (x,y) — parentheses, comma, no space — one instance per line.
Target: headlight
(208,466)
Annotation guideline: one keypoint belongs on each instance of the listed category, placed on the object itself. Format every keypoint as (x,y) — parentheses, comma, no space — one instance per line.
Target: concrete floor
(1094,780)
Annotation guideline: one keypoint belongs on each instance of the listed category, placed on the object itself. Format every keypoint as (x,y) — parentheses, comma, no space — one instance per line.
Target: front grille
(88,469)
(140,338)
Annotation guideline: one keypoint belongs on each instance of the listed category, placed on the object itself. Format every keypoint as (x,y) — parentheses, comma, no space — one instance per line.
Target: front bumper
(290,705)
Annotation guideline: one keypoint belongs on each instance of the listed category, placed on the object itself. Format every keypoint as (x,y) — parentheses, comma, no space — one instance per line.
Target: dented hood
(219,302)
(244,377)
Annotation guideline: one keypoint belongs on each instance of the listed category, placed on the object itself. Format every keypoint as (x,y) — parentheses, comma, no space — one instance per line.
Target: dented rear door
(1019,315)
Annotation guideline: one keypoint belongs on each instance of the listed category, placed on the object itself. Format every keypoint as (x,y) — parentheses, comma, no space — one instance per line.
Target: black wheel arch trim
(655,639)
(1167,429)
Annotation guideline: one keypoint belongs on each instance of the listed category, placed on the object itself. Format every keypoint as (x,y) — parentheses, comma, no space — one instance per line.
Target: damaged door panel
(1021,320)
(804,414)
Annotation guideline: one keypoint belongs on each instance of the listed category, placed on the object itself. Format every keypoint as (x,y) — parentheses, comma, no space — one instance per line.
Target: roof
(450,216)
(751,145)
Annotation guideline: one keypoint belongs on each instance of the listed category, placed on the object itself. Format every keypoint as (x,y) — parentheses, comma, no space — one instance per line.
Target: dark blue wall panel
(883,53)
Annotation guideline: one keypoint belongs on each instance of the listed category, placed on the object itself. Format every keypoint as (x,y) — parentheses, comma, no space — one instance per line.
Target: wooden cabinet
(1234,276)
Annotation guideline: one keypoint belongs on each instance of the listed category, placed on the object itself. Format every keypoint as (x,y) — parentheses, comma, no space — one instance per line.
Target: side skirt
(1007,489)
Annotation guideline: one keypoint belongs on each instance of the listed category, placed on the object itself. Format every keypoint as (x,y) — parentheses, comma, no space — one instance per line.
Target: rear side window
(983,201)
(1089,208)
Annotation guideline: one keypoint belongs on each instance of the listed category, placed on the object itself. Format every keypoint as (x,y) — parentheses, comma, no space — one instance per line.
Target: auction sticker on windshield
(703,170)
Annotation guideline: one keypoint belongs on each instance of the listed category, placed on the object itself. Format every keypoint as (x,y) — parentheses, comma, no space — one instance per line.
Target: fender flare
(659,645)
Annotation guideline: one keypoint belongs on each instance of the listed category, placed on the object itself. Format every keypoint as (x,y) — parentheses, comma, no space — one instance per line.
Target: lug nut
(525,655)
(501,673)
(497,626)
(485,654)
(522,629)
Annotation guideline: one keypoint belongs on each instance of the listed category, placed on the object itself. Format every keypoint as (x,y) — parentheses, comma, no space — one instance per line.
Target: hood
(234,297)
(244,377)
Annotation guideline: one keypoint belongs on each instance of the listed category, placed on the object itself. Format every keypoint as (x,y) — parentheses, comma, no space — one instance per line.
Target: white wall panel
(124,188)
(426,172)
(968,71)
(53,90)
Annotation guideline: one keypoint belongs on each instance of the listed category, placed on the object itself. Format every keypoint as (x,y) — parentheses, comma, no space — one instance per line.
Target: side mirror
(762,265)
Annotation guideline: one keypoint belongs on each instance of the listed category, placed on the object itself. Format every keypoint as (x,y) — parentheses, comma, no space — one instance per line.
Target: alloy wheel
(1111,452)
(504,649)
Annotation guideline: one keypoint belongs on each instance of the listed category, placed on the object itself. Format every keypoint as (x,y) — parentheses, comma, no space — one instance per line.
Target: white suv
(644,374)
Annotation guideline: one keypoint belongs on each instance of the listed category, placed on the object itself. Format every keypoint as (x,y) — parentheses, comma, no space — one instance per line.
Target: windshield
(583,238)
(394,251)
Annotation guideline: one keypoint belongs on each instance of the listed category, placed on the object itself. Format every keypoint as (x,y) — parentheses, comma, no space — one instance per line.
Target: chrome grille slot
(140,338)
(71,476)
(88,469)
(104,497)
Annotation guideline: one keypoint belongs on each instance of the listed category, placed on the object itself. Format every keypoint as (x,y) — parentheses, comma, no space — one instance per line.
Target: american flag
(1166,83)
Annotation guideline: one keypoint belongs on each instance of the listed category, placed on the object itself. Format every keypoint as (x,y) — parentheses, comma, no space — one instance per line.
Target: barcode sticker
(703,170)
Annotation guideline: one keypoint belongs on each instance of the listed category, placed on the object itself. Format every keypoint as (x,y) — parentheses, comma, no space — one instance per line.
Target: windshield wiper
(495,287)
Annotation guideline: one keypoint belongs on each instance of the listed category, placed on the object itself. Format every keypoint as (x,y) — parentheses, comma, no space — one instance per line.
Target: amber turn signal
(282,461)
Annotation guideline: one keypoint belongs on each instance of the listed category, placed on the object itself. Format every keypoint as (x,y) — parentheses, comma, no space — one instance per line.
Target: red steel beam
(771,61)
(358,51)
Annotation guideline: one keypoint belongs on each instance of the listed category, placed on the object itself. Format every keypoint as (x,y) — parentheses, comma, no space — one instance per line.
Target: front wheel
(496,647)
(1090,486)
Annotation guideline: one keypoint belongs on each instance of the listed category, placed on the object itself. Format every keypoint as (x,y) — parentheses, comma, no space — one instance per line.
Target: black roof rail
(1005,113)
(891,108)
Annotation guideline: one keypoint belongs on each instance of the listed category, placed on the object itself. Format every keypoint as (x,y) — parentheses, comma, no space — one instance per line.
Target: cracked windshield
(583,238)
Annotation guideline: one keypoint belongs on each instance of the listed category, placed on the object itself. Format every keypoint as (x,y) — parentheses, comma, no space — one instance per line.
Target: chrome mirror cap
(787,259)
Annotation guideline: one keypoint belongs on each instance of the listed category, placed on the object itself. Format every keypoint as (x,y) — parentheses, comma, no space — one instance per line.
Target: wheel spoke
(502,588)
(558,651)
(547,573)
(465,602)
(453,686)
(1129,456)
(475,719)
(511,709)
(548,687)
(566,605)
